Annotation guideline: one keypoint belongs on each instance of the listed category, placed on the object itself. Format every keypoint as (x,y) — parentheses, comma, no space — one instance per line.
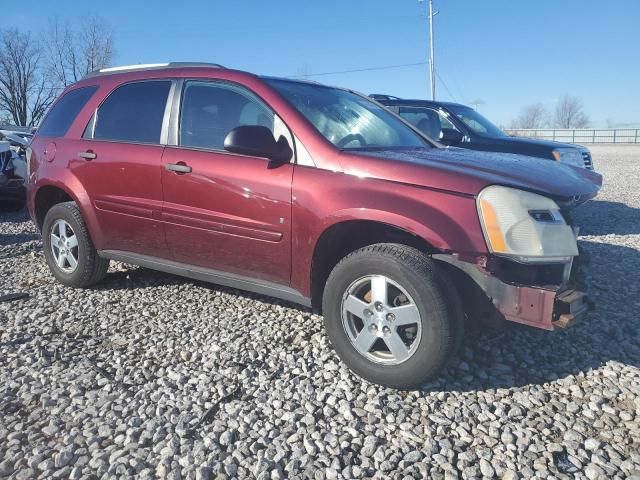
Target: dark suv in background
(462,126)
(312,194)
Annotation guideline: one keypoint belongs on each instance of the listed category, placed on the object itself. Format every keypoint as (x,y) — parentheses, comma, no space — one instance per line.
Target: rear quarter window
(64,112)
(132,113)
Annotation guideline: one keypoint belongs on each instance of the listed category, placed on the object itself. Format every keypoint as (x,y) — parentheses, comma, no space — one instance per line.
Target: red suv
(312,194)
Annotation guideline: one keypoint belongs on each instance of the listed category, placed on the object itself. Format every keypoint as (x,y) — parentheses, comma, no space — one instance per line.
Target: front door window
(429,121)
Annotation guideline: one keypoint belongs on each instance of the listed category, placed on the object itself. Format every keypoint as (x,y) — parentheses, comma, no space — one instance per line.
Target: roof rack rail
(149,66)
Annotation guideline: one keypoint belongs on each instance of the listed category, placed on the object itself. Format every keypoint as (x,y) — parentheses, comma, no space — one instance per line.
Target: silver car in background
(13,175)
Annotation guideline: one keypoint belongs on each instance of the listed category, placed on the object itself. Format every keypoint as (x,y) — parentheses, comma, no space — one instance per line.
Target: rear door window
(64,112)
(134,112)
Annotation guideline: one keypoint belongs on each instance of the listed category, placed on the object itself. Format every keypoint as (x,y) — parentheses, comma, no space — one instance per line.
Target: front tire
(68,248)
(392,315)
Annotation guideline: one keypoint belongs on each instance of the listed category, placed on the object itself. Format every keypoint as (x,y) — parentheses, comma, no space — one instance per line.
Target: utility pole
(432,58)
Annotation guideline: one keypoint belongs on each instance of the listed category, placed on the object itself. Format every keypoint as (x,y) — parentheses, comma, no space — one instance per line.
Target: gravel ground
(154,376)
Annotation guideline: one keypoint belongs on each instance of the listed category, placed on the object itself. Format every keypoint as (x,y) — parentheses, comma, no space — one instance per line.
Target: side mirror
(449,136)
(258,141)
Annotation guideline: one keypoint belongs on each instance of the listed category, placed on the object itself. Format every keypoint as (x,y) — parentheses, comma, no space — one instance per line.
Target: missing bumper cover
(547,308)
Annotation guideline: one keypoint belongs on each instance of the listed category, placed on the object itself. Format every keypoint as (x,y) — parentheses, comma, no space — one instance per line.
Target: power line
(446,87)
(369,69)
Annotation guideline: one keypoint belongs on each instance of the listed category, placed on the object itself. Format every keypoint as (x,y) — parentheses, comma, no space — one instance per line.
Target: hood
(533,142)
(469,171)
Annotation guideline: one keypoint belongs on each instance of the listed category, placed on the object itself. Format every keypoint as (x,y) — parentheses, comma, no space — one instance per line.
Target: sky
(505,53)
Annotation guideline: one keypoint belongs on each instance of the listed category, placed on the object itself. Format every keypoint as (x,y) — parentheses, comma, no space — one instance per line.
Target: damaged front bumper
(546,307)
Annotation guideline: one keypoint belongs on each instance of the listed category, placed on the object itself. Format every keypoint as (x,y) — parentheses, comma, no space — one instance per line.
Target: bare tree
(25,89)
(570,113)
(531,116)
(72,54)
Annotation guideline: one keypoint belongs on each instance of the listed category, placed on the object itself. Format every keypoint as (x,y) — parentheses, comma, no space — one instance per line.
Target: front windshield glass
(476,122)
(347,120)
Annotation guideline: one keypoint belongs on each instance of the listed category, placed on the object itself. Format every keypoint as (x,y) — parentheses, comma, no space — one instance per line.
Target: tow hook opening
(569,306)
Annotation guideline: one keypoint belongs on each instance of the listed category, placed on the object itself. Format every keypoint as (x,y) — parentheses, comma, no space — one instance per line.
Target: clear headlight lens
(570,156)
(524,226)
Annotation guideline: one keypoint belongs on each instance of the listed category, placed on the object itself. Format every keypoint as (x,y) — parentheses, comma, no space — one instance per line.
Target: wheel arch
(343,237)
(46,195)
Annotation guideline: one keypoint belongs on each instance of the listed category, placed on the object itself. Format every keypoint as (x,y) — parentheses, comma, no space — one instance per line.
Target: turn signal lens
(492,227)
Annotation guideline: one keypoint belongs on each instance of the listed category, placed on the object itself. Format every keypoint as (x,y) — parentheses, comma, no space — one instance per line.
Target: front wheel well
(47,197)
(341,239)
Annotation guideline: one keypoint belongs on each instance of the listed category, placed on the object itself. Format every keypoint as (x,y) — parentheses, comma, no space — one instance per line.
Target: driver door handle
(179,167)
(88,155)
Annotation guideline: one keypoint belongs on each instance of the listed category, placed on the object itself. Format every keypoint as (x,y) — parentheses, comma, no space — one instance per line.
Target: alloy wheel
(64,246)
(381,320)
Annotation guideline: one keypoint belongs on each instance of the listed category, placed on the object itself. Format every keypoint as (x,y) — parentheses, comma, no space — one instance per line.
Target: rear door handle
(178,167)
(88,155)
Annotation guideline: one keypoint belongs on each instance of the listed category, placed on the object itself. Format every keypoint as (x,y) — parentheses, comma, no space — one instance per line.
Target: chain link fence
(581,135)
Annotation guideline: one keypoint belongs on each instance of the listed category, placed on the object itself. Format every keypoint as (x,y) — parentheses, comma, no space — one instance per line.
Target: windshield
(347,120)
(476,122)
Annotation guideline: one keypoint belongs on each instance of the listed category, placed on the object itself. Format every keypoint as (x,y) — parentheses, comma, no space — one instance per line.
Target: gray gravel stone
(63,458)
(594,472)
(486,468)
(76,473)
(592,444)
(227,438)
(509,475)
(6,468)
(24,474)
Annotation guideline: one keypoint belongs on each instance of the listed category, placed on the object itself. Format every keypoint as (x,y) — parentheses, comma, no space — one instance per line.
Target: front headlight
(570,156)
(524,226)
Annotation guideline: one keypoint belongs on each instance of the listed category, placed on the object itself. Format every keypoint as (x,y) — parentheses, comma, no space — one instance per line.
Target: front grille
(586,156)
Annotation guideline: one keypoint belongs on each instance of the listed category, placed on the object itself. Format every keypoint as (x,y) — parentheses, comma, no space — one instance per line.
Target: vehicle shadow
(612,218)
(12,208)
(518,355)
(133,277)
(17,238)
(11,215)
(22,235)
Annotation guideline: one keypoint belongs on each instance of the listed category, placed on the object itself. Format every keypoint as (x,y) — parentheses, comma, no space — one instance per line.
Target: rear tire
(418,305)
(68,248)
